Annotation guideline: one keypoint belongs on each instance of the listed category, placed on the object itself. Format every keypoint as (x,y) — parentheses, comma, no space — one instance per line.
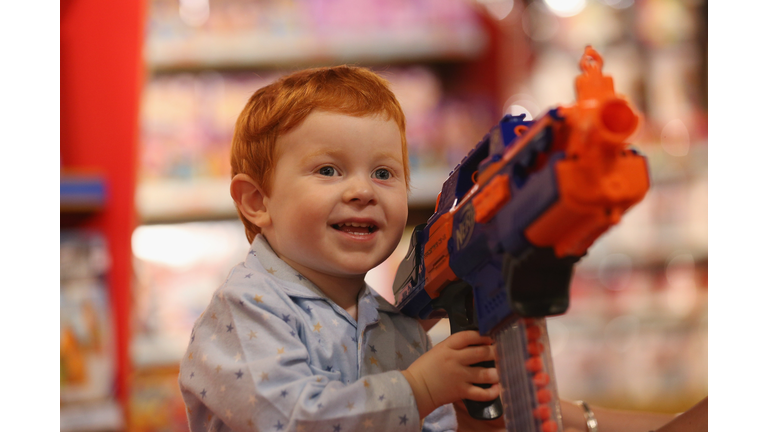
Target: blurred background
(150,91)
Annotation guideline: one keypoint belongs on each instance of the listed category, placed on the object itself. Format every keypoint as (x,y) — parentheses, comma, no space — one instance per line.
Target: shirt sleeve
(247,369)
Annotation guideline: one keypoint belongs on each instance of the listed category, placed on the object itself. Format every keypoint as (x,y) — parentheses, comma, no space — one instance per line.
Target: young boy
(294,340)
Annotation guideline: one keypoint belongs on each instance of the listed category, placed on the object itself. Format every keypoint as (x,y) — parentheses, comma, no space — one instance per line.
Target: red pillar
(101,75)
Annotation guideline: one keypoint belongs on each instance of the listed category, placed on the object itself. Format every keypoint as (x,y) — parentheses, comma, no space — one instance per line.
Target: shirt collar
(264,259)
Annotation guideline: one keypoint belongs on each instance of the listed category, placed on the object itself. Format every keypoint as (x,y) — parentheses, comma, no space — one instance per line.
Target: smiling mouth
(355,228)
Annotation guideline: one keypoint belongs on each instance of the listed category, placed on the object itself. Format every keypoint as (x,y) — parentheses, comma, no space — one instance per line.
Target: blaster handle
(457,301)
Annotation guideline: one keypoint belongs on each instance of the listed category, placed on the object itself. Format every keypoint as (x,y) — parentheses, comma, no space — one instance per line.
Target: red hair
(279,107)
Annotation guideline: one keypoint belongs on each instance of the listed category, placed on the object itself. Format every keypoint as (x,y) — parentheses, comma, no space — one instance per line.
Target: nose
(359,190)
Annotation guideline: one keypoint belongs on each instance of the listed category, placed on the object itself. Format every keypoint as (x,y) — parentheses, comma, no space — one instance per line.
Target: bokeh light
(615,271)
(498,9)
(675,138)
(194,13)
(566,8)
(180,245)
(539,23)
(619,4)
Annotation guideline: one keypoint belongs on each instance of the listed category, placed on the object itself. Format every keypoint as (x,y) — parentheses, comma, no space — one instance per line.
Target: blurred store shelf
(106,416)
(266,50)
(265,35)
(81,192)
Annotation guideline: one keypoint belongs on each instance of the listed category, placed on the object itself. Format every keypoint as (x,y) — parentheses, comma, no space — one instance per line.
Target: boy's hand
(444,375)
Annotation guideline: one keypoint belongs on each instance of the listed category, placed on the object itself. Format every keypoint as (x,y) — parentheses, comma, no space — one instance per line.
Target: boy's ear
(250,200)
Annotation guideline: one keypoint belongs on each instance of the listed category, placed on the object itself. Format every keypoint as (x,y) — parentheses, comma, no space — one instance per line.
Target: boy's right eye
(327,171)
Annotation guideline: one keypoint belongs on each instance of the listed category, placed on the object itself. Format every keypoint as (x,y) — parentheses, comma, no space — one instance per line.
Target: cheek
(398,210)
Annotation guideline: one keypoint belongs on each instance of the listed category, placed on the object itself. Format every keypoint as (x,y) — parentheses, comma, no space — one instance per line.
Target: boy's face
(339,203)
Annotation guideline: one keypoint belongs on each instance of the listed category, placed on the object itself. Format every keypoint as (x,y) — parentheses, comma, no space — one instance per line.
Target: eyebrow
(339,152)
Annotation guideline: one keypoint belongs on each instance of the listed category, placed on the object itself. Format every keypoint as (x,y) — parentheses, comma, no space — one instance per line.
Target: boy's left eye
(328,171)
(382,174)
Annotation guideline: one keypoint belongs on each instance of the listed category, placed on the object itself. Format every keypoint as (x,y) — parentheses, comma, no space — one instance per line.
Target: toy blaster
(511,221)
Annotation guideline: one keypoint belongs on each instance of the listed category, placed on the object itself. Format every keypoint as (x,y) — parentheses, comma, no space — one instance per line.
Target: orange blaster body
(511,221)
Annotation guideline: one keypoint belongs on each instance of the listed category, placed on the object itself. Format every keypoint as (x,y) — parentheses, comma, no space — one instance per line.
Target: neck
(342,290)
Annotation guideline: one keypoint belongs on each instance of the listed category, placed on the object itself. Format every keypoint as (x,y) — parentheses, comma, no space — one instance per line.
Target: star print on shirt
(271,271)
(192,338)
(399,355)
(253,252)
(317,327)
(374,361)
(403,419)
(281,350)
(203,393)
(264,376)
(335,322)
(368,423)
(218,368)
(258,299)
(251,335)
(252,400)
(279,426)
(300,276)
(213,316)
(381,397)
(329,368)
(286,318)
(242,303)
(229,414)
(230,327)
(373,349)
(337,428)
(309,308)
(248,276)
(351,405)
(191,375)
(284,393)
(239,374)
(345,347)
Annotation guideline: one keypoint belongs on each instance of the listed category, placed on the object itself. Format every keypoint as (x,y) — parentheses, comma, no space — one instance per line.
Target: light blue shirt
(272,353)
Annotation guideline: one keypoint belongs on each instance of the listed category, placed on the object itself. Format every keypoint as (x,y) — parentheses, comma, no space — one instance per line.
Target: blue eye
(327,171)
(382,174)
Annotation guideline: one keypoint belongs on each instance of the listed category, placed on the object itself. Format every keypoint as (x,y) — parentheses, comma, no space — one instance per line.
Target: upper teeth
(353,224)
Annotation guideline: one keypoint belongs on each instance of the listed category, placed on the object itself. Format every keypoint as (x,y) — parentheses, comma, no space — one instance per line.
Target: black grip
(457,301)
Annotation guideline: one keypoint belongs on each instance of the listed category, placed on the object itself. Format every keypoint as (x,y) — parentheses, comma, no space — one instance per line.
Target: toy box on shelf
(87,358)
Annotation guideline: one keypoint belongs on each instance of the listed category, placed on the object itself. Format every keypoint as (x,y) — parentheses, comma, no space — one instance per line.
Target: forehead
(323,131)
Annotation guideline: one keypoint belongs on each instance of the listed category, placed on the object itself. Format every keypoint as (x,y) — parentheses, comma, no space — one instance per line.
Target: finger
(476,354)
(480,394)
(483,375)
(466,338)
